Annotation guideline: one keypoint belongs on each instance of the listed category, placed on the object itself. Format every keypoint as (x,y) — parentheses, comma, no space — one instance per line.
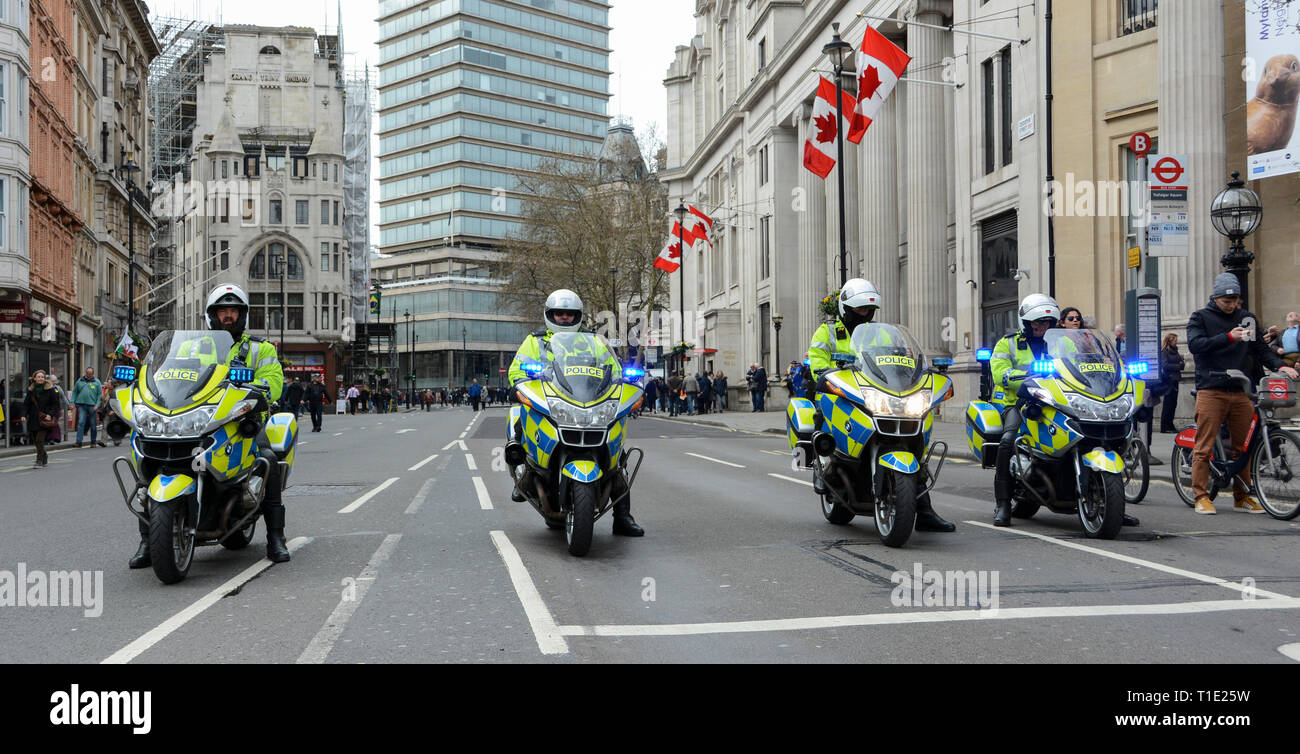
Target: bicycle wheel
(1276,472)
(1180,468)
(1137,472)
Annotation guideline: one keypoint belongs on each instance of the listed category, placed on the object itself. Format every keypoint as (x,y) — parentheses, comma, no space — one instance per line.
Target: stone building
(17,332)
(266,184)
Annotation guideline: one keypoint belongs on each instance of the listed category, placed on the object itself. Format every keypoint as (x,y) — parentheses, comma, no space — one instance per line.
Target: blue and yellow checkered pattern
(849,425)
(900,460)
(799,417)
(1104,460)
(614,441)
(1050,434)
(582,471)
(540,437)
(164,487)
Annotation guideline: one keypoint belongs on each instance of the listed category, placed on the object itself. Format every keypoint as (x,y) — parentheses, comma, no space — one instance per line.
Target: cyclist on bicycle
(1222,336)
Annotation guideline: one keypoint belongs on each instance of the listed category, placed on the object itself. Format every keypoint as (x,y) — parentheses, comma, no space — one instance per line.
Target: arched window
(270,50)
(265,266)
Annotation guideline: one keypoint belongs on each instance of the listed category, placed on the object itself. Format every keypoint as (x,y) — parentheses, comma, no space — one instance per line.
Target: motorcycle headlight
(569,415)
(189,424)
(1089,409)
(912,406)
(238,410)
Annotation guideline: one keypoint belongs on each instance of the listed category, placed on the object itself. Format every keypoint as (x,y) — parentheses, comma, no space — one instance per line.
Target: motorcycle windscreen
(181,362)
(584,367)
(1089,357)
(888,356)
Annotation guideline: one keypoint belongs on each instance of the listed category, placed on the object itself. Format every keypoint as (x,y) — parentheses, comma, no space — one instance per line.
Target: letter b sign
(1140,143)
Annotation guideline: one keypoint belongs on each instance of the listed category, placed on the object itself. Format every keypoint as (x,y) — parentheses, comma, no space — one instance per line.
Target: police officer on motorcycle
(858,304)
(1012,357)
(227,309)
(563,313)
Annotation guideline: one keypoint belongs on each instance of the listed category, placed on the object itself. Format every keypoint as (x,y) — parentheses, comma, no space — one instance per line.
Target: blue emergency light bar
(807,362)
(1139,367)
(124,374)
(1043,366)
(942,361)
(633,373)
(984,354)
(240,375)
(532,368)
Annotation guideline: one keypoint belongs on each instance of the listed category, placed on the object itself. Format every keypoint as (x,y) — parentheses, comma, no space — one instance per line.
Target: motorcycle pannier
(983,431)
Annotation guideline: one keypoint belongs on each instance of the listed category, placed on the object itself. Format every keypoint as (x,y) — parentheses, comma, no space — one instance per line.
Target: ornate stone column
(927,182)
(812,231)
(1191,122)
(879,209)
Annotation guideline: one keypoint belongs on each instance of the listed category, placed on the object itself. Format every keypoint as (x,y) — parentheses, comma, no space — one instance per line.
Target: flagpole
(681,269)
(837,49)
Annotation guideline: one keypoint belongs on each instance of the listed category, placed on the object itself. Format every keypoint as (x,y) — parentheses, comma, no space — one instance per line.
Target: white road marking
(936,616)
(1290,650)
(453,443)
(401,431)
(419,497)
(323,642)
(549,639)
(484,500)
(366,497)
(303,444)
(775,453)
(338,434)
(417,466)
(469,459)
(724,463)
(164,629)
(462,435)
(792,479)
(1138,561)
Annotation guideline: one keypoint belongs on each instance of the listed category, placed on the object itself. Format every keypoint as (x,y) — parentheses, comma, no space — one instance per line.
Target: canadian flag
(819,149)
(669,258)
(704,233)
(880,63)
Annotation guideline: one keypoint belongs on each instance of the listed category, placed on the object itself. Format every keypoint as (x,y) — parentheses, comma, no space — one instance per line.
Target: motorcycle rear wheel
(836,513)
(895,511)
(581,518)
(242,538)
(171,544)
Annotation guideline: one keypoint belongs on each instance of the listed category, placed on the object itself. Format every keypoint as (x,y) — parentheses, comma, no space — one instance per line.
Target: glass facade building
(472,93)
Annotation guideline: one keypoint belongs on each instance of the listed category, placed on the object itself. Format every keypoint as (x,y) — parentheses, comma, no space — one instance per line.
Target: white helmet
(563,300)
(1037,306)
(856,293)
(227,295)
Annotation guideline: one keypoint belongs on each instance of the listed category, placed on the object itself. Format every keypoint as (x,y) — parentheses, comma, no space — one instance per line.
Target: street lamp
(279,263)
(464,352)
(410,348)
(836,49)
(1236,213)
(129,168)
(776,324)
(681,272)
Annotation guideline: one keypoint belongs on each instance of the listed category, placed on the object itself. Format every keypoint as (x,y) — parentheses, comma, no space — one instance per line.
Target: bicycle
(1137,470)
(1272,453)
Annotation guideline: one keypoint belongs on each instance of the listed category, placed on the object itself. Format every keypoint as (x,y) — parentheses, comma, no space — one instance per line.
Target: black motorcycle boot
(928,520)
(276,549)
(141,557)
(515,494)
(624,524)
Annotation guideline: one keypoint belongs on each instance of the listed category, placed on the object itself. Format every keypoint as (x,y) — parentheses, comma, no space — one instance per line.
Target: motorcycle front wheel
(1101,511)
(896,509)
(581,518)
(171,543)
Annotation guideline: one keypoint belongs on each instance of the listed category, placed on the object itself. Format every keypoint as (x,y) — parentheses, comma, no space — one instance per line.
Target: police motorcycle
(1076,428)
(868,433)
(202,441)
(566,450)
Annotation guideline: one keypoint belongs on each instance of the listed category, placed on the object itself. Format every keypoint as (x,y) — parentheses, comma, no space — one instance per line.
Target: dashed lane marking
(549,639)
(724,463)
(417,466)
(792,479)
(323,642)
(469,461)
(484,500)
(420,497)
(350,507)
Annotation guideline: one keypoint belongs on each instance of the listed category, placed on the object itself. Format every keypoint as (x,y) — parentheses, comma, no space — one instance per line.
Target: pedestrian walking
(61,412)
(706,392)
(86,394)
(720,388)
(293,397)
(1219,341)
(316,396)
(651,393)
(1171,370)
(757,387)
(691,387)
(42,409)
(475,392)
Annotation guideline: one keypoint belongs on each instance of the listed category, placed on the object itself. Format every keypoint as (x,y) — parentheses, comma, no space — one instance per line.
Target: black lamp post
(129,168)
(410,348)
(464,352)
(836,49)
(1236,213)
(279,263)
(776,324)
(681,272)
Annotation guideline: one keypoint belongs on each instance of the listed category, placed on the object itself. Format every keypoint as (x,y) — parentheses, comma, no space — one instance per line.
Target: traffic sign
(501,370)
(1167,169)
(1140,143)
(1134,258)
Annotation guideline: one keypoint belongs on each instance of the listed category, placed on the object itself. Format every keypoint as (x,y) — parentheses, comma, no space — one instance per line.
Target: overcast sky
(643,37)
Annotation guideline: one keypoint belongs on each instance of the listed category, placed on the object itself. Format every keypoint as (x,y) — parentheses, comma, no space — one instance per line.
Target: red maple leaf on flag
(675,251)
(868,83)
(825,127)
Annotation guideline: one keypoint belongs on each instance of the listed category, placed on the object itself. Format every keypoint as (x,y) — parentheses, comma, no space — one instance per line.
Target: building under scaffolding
(358,119)
(174,77)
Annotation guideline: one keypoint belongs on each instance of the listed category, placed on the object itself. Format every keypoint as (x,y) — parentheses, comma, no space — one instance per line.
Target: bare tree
(578,224)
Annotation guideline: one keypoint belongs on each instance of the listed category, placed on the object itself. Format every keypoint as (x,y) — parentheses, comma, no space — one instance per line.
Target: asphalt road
(738,565)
